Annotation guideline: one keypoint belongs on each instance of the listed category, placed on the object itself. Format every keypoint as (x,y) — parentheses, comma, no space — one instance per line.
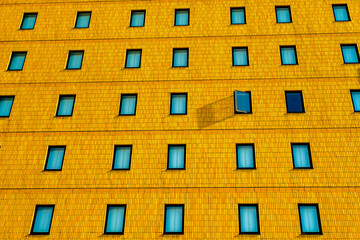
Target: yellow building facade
(211,186)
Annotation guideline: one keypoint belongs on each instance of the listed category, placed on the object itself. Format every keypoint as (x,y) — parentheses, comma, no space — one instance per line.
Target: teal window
(122,157)
(283,14)
(133,58)
(240,56)
(178,104)
(17,61)
(350,53)
(301,155)
(137,18)
(128,104)
(242,102)
(249,219)
(65,105)
(341,13)
(355,95)
(245,156)
(42,220)
(310,219)
(55,158)
(75,60)
(182,17)
(115,219)
(174,219)
(28,21)
(83,20)
(6,103)
(180,57)
(176,157)
(238,15)
(288,55)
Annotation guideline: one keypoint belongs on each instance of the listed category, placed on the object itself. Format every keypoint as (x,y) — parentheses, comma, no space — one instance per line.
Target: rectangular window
(174,219)
(82,19)
(245,156)
(283,14)
(122,157)
(115,219)
(55,158)
(288,55)
(249,219)
(133,58)
(65,105)
(42,220)
(6,103)
(301,155)
(240,56)
(178,104)
(242,102)
(17,61)
(294,102)
(176,157)
(180,57)
(355,96)
(128,104)
(137,18)
(182,17)
(28,21)
(310,219)
(350,53)
(341,12)
(75,60)
(238,15)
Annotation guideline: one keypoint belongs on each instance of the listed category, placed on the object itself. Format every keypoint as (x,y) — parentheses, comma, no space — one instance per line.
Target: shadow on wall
(215,112)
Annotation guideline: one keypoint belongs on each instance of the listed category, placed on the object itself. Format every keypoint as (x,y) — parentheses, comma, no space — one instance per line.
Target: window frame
(247,56)
(187,59)
(131,17)
(126,58)
(250,102)
(318,218)
(121,100)
(168,156)
(356,50)
(22,21)
(302,101)
(182,9)
(237,156)
(296,58)
(47,158)
(286,6)
(309,151)
(347,11)
(237,8)
(77,18)
(186,103)
(257,217)
(12,104)
(183,219)
(352,99)
(11,59)
(68,59)
(113,163)
(107,216)
(34,217)
(72,110)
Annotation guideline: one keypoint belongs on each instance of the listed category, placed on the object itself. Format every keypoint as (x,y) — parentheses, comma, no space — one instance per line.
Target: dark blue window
(294,102)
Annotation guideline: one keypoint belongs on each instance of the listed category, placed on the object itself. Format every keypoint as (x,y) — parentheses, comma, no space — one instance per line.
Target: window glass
(75,59)
(122,157)
(28,21)
(240,56)
(83,19)
(238,16)
(55,158)
(42,219)
(283,14)
(242,102)
(137,19)
(245,156)
(174,219)
(180,58)
(341,13)
(248,219)
(355,95)
(301,155)
(5,106)
(133,58)
(176,157)
(66,105)
(294,102)
(17,61)
(288,56)
(128,104)
(350,53)
(178,103)
(309,219)
(115,220)
(182,17)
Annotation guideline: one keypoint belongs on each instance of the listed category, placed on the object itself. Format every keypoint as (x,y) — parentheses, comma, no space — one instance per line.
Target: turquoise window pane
(356,100)
(341,13)
(176,157)
(178,104)
(181,17)
(238,16)
(66,105)
(288,56)
(5,106)
(245,154)
(180,58)
(128,105)
(350,54)
(248,219)
(43,219)
(242,100)
(174,219)
(115,221)
(17,61)
(309,219)
(122,157)
(240,56)
(283,15)
(75,60)
(133,59)
(55,158)
(28,21)
(83,20)
(301,156)
(137,19)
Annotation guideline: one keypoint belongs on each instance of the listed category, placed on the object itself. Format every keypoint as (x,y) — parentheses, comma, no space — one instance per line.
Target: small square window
(55,158)
(310,219)
(65,105)
(75,60)
(341,13)
(115,219)
(182,17)
(133,58)
(245,156)
(176,157)
(6,103)
(301,155)
(178,104)
(137,18)
(242,102)
(350,53)
(42,220)
(128,104)
(174,219)
(283,14)
(28,21)
(180,57)
(17,61)
(249,219)
(238,15)
(83,19)
(122,157)
(240,56)
(288,55)
(294,102)
(355,96)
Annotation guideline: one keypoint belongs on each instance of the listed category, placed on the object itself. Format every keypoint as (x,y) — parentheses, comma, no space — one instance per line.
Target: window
(355,95)
(133,58)
(249,219)
(42,219)
(55,158)
(301,155)
(178,104)
(65,106)
(350,53)
(176,157)
(137,18)
(182,17)
(115,219)
(180,57)
(174,219)
(245,156)
(310,219)
(238,15)
(82,19)
(6,103)
(128,104)
(341,13)
(75,60)
(294,102)
(242,102)
(17,61)
(122,157)
(240,56)
(283,14)
(288,55)
(28,21)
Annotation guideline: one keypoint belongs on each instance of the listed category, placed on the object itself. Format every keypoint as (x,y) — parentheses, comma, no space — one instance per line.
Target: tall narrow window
(294,102)
(65,105)
(83,19)
(180,57)
(283,14)
(28,21)
(17,61)
(301,155)
(242,102)
(115,219)
(182,17)
(55,158)
(75,60)
(240,56)
(42,219)
(176,157)
(174,219)
(178,104)
(133,58)
(341,12)
(238,15)
(350,53)
(128,104)
(122,157)
(310,219)
(249,219)
(245,156)
(288,55)
(6,103)
(355,95)
(137,18)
